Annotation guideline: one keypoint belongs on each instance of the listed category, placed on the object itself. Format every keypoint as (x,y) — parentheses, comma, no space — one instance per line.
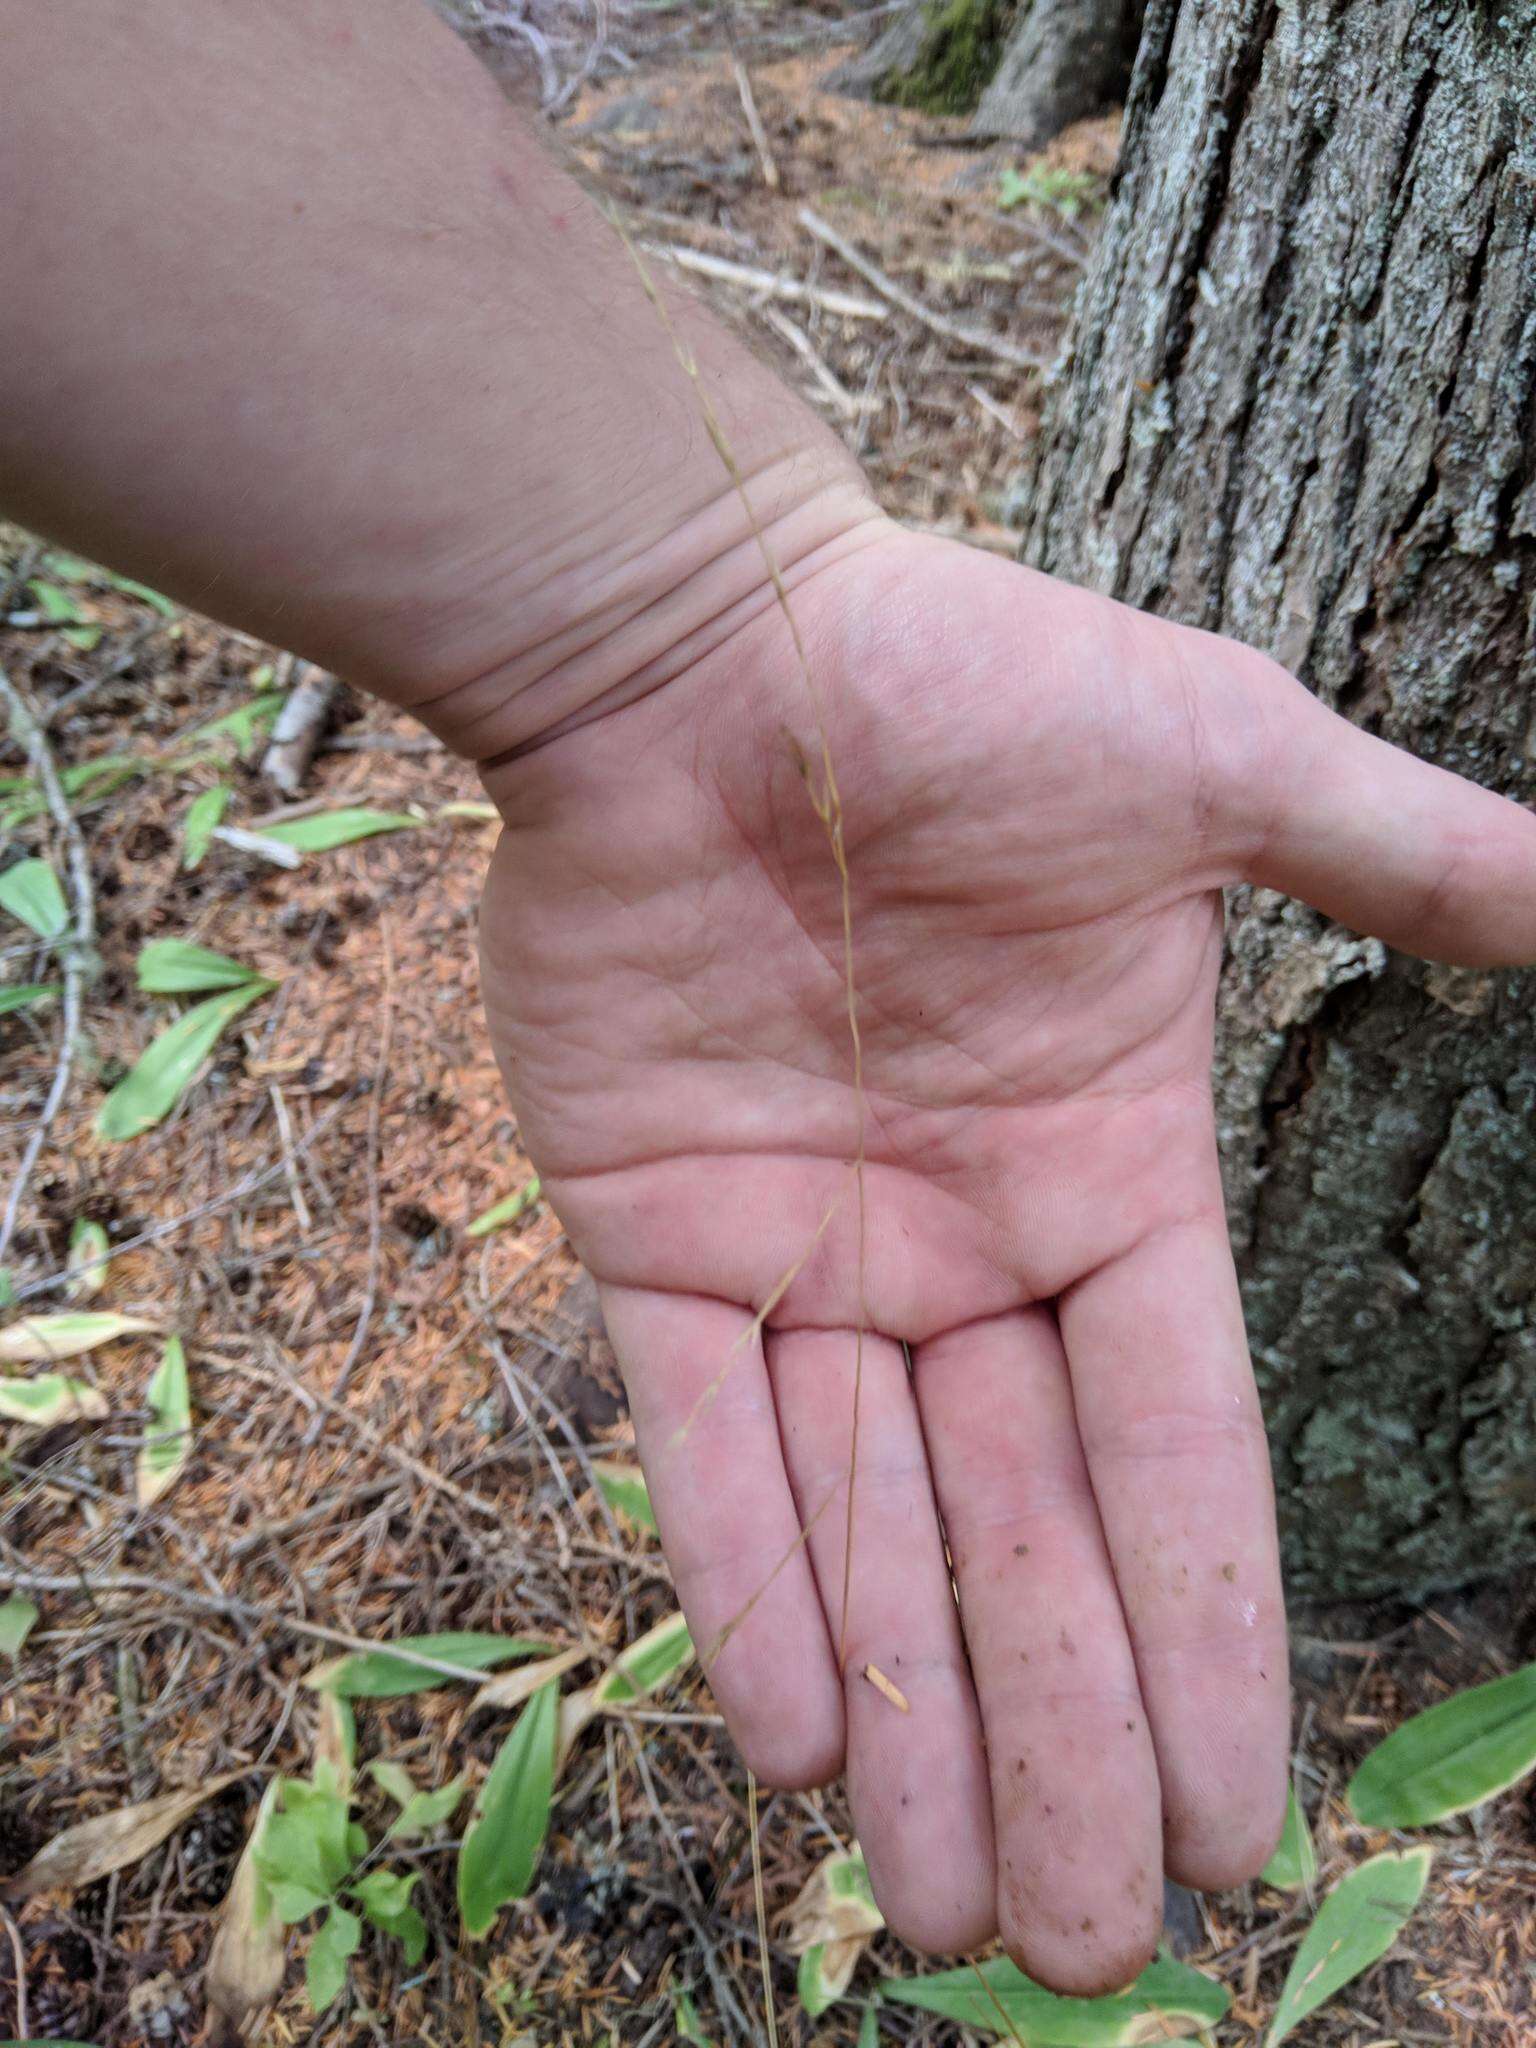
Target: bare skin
(1044,793)
(345,362)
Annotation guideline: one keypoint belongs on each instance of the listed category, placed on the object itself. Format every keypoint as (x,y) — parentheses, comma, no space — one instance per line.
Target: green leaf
(504,1212)
(323,830)
(1355,1926)
(32,893)
(385,1897)
(168,1440)
(242,725)
(686,2018)
(869,2026)
(44,1340)
(57,607)
(384,1674)
(1293,1867)
(84,639)
(205,811)
(89,1259)
(332,1946)
(420,1812)
(1167,1996)
(816,1985)
(1452,1757)
(659,1655)
(169,1064)
(829,1926)
(25,993)
(394,1779)
(75,569)
(625,1490)
(302,1852)
(511,1817)
(50,1399)
(18,1617)
(175,967)
(111,771)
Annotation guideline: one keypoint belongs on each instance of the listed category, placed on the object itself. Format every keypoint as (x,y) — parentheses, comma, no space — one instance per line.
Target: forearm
(303,327)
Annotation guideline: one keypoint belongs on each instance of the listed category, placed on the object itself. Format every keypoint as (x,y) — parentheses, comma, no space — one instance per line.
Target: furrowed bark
(1299,406)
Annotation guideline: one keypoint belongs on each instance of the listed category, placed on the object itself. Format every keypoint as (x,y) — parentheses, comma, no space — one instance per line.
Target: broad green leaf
(44,1340)
(169,1064)
(625,1490)
(175,967)
(1293,1867)
(18,1616)
(647,1664)
(331,1947)
(1451,1757)
(168,1440)
(303,1852)
(242,725)
(501,1213)
(1168,2002)
(511,1817)
(40,1340)
(323,830)
(25,993)
(205,811)
(49,1400)
(385,1897)
(33,894)
(89,1259)
(385,1673)
(1355,1926)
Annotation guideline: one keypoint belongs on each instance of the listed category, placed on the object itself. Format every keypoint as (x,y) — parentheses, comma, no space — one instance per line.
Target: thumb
(1388,844)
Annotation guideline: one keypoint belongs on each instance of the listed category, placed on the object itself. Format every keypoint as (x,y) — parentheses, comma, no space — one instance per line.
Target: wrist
(609,621)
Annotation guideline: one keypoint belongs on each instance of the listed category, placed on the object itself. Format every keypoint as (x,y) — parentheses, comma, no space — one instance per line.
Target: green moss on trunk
(958,55)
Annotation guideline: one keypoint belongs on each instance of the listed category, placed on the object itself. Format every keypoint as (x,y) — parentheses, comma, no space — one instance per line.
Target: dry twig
(75,953)
(939,323)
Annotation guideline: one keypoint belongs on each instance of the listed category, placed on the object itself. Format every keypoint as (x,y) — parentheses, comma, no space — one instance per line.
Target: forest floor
(394,1421)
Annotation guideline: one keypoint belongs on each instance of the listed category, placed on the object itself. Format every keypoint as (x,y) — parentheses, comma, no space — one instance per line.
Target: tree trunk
(1064,60)
(1026,67)
(1300,407)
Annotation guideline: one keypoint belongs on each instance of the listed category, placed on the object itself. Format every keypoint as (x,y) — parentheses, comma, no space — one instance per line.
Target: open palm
(1043,794)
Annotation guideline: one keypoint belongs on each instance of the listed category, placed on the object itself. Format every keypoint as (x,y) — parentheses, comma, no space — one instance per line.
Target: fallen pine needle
(886,1688)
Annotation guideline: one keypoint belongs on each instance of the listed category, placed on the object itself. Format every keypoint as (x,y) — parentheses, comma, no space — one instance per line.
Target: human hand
(1043,795)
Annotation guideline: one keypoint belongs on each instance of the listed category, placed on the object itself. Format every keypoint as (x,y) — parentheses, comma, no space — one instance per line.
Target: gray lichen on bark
(1300,407)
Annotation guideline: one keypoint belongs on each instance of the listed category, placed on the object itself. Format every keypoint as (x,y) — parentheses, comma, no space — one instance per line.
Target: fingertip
(1218,1859)
(789,1758)
(938,1926)
(1086,1960)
